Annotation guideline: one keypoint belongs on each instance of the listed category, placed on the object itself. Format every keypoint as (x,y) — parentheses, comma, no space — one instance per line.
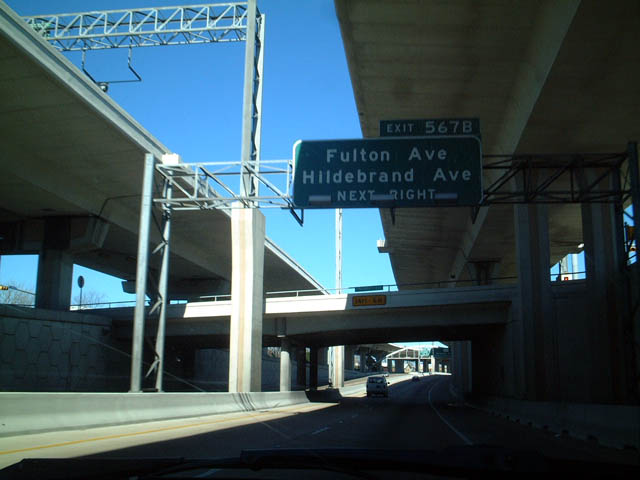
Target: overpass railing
(554,276)
(566,277)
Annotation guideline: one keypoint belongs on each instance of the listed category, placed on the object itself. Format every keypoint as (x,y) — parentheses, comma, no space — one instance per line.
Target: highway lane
(416,415)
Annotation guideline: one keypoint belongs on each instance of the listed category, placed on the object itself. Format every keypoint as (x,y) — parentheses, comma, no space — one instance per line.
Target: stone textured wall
(51,351)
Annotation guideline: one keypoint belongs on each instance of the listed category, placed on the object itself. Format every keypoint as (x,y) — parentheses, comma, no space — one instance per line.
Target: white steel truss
(202,186)
(144,27)
(194,186)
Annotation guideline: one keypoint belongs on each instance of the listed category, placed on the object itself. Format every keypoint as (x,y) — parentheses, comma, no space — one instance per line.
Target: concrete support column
(301,361)
(55,279)
(313,368)
(377,354)
(322,356)
(245,342)
(364,353)
(338,367)
(537,330)
(55,266)
(461,365)
(349,360)
(483,272)
(285,365)
(604,258)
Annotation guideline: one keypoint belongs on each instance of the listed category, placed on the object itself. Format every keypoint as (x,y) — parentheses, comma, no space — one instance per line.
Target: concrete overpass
(322,321)
(556,77)
(71,181)
(542,77)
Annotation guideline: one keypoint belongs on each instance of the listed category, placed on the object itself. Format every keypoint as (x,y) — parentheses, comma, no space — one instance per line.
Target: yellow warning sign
(368,300)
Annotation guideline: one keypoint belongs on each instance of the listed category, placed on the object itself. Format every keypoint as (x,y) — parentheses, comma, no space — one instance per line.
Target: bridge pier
(338,367)
(313,368)
(602,231)
(349,353)
(535,326)
(461,365)
(55,266)
(285,365)
(362,352)
(301,372)
(54,280)
(245,339)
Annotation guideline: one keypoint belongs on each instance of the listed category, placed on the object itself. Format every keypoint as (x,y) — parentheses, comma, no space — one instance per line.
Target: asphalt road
(416,415)
(421,415)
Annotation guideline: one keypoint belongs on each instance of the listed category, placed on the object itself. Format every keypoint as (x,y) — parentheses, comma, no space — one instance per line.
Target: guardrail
(386,288)
(555,277)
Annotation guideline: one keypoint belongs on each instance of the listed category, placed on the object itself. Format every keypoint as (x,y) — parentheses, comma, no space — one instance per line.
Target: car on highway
(377,385)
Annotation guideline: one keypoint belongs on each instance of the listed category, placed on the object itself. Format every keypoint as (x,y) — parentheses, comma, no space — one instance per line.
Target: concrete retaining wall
(24,413)
(46,350)
(499,367)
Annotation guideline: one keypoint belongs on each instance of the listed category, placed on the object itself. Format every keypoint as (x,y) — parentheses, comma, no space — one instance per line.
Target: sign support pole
(338,351)
(141,273)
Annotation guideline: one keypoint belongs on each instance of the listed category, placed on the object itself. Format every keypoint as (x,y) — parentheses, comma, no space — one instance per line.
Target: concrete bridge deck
(320,320)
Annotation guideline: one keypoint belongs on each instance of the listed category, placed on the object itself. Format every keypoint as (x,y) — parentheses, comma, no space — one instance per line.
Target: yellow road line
(155,430)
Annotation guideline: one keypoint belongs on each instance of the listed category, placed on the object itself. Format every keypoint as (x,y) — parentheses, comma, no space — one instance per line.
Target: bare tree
(89,298)
(17,294)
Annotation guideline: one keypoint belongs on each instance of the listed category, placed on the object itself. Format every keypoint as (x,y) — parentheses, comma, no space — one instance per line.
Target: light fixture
(581,245)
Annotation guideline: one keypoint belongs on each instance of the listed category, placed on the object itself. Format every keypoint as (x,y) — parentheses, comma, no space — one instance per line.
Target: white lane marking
(456,431)
(208,472)
(320,430)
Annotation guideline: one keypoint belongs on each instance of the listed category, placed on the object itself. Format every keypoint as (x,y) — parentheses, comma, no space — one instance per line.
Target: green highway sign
(388,172)
(429,127)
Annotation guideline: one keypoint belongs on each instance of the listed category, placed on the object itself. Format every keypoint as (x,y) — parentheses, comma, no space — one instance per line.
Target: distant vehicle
(377,385)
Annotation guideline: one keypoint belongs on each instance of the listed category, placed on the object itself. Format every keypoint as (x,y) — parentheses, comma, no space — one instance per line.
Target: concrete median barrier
(25,413)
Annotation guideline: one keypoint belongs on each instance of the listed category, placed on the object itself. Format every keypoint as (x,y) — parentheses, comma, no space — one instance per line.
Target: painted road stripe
(456,431)
(320,430)
(154,430)
(208,473)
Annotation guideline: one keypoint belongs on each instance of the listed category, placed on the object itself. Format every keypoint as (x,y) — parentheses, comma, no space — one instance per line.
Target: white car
(377,385)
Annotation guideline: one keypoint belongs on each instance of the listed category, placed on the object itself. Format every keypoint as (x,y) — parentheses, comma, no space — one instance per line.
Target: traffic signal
(4,287)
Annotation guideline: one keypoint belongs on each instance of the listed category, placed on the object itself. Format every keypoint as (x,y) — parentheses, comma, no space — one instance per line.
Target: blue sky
(191,100)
